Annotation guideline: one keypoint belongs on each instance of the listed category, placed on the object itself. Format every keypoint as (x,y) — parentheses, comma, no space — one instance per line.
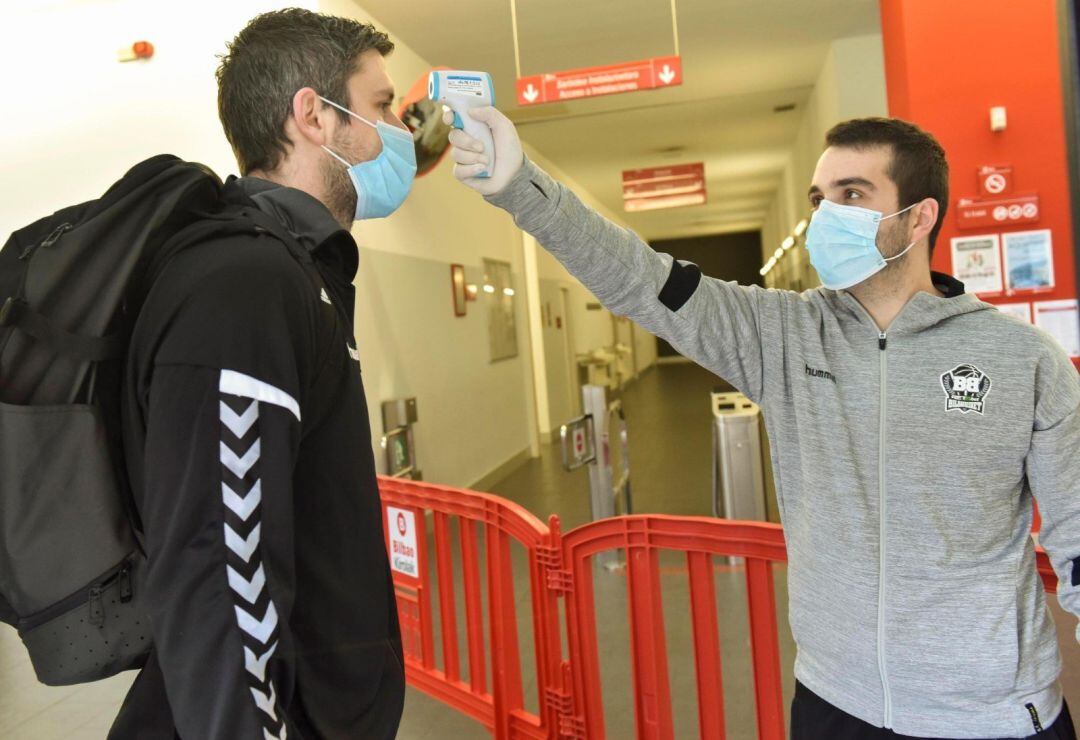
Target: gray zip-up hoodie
(905,468)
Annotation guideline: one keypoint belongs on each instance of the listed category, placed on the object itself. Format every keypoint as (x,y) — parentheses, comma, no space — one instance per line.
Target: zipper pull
(97,609)
(881,341)
(125,585)
(58,232)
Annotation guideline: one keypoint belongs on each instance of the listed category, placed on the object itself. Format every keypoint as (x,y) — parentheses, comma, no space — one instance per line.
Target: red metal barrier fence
(560,567)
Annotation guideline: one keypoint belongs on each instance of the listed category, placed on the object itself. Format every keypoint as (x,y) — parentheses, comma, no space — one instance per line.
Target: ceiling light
(508,292)
(788,243)
(764,271)
(801,227)
(778,253)
(489,288)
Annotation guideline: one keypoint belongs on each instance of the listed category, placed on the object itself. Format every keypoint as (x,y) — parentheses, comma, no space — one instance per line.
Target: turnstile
(600,440)
(398,443)
(741,476)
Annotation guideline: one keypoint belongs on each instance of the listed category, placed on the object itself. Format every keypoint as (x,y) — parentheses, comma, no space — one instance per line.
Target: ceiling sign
(664,187)
(978,214)
(591,82)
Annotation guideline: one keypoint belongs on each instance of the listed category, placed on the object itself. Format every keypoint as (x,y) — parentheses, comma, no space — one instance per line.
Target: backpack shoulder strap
(17,314)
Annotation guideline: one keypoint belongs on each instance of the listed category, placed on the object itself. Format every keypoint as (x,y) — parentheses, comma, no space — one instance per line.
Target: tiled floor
(670,437)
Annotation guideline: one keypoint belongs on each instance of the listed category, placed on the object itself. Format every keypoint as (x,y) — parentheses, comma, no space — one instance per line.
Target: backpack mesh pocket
(68,549)
(95,633)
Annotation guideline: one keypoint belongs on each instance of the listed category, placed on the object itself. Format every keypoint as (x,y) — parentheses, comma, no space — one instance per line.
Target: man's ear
(926,216)
(310,117)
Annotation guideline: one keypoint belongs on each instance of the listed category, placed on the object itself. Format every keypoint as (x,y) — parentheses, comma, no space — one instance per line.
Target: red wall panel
(946,65)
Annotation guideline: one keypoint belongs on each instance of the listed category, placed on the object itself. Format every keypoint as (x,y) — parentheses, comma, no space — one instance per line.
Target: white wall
(851,84)
(591,330)
(84,118)
(474,414)
(77,119)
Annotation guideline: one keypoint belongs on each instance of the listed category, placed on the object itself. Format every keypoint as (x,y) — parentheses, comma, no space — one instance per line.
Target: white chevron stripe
(250,590)
(267,735)
(241,465)
(238,384)
(266,703)
(243,548)
(239,424)
(242,506)
(256,666)
(259,629)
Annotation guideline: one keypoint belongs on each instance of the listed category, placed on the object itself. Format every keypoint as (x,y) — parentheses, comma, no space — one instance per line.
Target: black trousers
(813,718)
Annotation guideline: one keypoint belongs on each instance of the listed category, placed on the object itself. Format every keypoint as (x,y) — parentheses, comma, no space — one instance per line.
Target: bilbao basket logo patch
(966,387)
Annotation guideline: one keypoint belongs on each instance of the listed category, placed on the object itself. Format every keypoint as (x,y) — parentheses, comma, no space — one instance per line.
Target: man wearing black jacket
(246,426)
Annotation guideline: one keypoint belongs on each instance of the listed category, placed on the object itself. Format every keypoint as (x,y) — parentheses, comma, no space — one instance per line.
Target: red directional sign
(664,187)
(590,82)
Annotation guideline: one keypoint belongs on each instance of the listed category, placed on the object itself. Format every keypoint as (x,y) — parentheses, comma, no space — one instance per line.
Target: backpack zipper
(86,595)
(124,576)
(886,696)
(51,239)
(97,609)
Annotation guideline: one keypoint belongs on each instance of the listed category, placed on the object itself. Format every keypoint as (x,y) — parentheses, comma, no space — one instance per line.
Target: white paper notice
(1029,260)
(1062,320)
(977,263)
(1021,311)
(401,525)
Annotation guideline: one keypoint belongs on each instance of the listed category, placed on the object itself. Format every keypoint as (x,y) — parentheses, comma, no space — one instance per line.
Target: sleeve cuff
(531,196)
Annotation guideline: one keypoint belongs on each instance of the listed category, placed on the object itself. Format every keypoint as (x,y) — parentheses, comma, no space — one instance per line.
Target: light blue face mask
(842,241)
(383,183)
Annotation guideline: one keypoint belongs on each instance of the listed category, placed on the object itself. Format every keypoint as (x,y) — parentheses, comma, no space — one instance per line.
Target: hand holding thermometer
(461,92)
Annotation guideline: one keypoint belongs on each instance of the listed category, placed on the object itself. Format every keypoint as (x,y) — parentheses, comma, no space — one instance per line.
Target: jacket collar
(923,310)
(308,220)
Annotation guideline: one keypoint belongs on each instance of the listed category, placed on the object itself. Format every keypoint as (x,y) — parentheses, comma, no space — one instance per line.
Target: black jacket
(249,450)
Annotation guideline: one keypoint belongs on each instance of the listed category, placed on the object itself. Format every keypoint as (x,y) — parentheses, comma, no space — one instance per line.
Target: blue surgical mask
(383,183)
(843,244)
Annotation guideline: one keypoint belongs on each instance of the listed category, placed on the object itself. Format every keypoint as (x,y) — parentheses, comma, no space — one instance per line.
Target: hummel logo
(324,296)
(819,373)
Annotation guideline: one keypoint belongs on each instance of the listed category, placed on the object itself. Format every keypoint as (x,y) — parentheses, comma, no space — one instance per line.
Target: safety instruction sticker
(401,526)
(465,85)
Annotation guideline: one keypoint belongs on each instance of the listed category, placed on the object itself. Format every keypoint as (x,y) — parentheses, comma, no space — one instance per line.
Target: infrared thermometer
(460,92)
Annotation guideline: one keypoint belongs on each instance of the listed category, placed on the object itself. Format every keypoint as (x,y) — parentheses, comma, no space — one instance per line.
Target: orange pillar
(946,65)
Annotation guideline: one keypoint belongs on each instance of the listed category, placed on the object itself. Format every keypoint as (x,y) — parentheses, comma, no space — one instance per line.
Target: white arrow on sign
(531,93)
(667,74)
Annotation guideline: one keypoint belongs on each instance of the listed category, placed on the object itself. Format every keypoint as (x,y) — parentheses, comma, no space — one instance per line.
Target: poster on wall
(1029,260)
(1062,320)
(977,263)
(499,296)
(1021,311)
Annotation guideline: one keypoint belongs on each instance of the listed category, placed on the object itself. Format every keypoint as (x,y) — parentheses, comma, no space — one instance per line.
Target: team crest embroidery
(966,387)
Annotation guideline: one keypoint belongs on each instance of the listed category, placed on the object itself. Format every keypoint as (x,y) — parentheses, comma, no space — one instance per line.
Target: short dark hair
(275,55)
(918,165)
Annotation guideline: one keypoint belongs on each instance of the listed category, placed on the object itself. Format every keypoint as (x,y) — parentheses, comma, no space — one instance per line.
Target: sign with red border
(1015,211)
(995,181)
(591,82)
(664,187)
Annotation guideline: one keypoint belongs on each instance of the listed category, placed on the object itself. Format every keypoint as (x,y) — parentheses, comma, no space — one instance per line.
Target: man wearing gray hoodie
(911,427)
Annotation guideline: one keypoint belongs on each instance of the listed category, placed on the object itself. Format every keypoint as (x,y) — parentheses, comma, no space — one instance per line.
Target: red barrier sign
(590,82)
(664,187)
(978,214)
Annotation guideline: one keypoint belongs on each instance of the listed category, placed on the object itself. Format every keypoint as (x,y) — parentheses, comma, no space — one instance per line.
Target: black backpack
(71,286)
